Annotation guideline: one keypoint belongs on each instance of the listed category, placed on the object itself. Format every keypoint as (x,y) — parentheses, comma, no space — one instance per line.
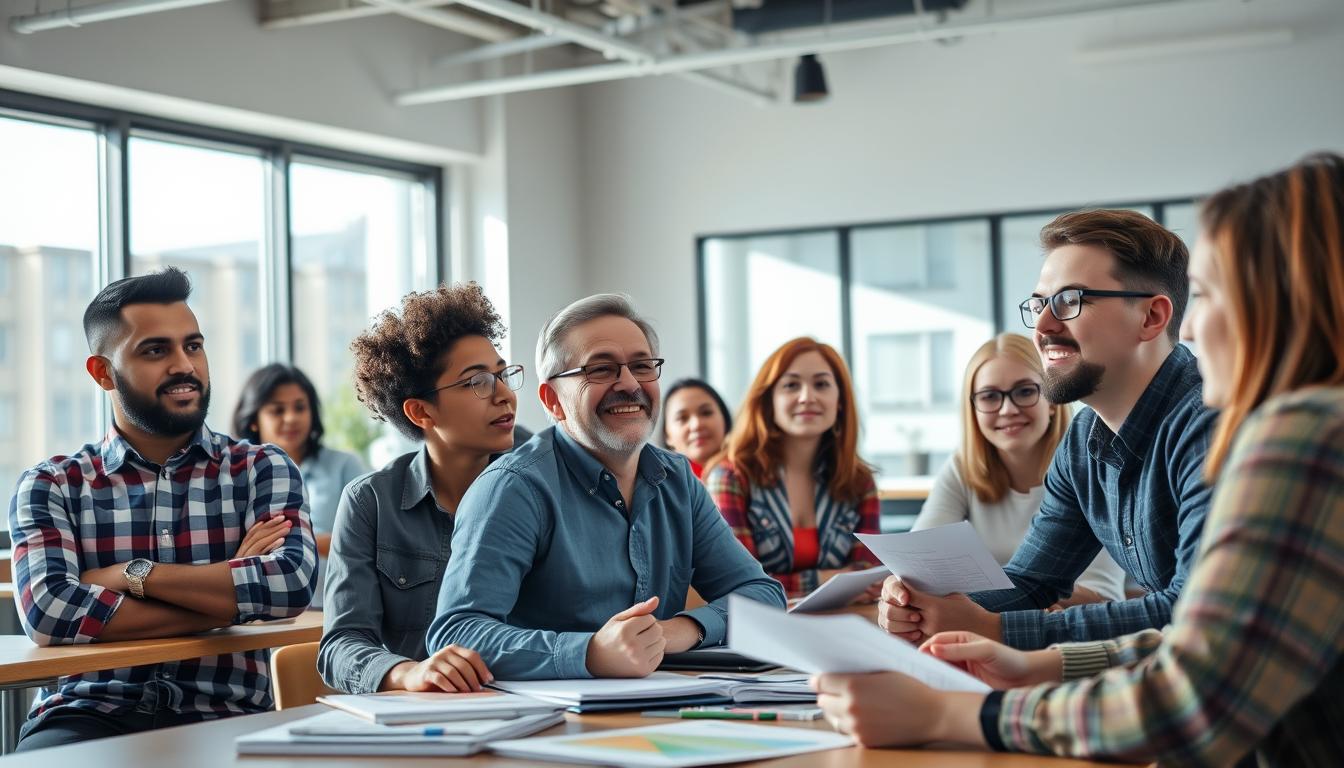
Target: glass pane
(1022,257)
(204,210)
(1183,219)
(752,290)
(49,254)
(920,302)
(360,244)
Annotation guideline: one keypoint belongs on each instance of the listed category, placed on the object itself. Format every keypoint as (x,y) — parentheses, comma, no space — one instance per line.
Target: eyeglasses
(483,382)
(990,400)
(646,369)
(1068,303)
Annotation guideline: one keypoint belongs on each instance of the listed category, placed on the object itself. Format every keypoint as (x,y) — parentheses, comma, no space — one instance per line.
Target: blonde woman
(996,479)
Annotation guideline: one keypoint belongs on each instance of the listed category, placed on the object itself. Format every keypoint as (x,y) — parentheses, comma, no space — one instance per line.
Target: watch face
(139,568)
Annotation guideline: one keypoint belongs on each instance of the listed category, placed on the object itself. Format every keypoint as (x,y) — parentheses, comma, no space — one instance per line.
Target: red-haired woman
(791,483)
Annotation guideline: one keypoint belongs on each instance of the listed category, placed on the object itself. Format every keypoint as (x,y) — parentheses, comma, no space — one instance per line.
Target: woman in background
(695,422)
(1251,667)
(790,481)
(280,406)
(432,370)
(996,478)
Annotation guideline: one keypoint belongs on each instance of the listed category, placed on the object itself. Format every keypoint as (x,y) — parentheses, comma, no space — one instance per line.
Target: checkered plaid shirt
(106,505)
(1254,657)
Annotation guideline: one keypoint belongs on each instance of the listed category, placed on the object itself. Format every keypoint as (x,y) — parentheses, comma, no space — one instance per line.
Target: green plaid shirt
(1252,658)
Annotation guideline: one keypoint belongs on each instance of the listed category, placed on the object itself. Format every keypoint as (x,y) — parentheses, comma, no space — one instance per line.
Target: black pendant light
(809,80)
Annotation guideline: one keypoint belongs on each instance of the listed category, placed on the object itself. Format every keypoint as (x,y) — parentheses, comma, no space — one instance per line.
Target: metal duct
(776,15)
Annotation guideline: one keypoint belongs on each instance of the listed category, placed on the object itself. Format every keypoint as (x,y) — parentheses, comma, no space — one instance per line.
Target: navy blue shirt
(1139,493)
(545,552)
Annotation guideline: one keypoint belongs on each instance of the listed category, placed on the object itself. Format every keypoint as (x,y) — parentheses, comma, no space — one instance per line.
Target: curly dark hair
(404,352)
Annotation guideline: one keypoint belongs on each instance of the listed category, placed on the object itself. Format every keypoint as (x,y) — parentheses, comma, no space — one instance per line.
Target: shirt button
(620,503)
(401,579)
(591,491)
(1129,541)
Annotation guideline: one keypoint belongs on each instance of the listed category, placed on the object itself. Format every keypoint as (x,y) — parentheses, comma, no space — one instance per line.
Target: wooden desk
(24,664)
(207,745)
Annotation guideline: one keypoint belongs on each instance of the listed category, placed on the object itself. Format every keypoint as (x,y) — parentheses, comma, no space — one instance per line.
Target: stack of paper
(402,707)
(841,644)
(338,733)
(776,687)
(677,745)
(660,689)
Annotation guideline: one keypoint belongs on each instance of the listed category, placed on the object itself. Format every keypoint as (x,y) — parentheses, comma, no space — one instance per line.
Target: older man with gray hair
(572,555)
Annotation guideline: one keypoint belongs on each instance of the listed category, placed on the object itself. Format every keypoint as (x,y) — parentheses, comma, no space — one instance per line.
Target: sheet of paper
(939,561)
(841,643)
(676,745)
(656,685)
(839,590)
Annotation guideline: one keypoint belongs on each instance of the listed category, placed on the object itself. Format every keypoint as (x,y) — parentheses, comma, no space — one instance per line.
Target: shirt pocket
(409,583)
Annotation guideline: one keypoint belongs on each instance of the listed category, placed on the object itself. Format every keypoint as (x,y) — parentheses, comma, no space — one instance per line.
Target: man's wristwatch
(136,572)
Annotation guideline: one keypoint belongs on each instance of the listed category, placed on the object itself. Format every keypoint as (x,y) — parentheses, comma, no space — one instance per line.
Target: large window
(907,303)
(291,250)
(49,256)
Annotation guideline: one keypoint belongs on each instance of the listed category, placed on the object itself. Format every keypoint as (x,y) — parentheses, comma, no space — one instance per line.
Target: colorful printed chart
(676,745)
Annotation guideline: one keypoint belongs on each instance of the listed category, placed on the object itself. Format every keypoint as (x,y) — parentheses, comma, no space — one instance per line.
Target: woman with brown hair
(1253,660)
(996,478)
(790,482)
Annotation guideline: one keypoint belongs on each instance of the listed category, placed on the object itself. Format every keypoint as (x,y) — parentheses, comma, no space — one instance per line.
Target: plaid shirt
(1140,493)
(1254,658)
(106,505)
(760,519)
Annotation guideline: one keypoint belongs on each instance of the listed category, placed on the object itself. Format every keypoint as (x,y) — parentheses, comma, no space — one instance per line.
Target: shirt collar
(115,449)
(415,484)
(1149,412)
(653,466)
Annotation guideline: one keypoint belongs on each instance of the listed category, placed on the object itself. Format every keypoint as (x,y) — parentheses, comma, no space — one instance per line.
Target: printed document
(939,561)
(840,590)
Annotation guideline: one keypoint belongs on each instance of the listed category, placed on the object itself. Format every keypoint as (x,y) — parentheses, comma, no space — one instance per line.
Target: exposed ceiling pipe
(344,11)
(78,17)
(737,55)
(452,21)
(611,47)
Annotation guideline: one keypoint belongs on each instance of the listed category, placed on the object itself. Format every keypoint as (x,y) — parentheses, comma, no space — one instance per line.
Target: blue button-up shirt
(544,553)
(1139,493)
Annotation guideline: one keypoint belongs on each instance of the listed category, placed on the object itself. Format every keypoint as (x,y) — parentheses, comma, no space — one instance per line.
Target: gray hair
(553,357)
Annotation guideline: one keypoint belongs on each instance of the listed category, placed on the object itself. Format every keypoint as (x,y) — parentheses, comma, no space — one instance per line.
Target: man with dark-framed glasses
(1129,474)
(573,555)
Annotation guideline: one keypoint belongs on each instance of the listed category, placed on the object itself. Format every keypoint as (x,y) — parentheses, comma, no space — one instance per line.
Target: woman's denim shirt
(389,548)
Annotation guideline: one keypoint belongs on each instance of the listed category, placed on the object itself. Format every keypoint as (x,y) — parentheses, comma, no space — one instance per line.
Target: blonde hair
(977,459)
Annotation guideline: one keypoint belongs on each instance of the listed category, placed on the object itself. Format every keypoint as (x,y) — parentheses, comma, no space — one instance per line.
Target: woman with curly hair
(790,482)
(433,372)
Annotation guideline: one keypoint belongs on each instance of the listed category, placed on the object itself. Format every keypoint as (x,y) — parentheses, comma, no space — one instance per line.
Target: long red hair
(755,445)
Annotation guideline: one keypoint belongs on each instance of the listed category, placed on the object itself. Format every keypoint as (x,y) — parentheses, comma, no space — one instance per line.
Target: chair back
(294,678)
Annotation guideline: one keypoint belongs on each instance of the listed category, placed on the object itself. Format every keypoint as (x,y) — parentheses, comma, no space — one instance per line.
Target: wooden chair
(294,677)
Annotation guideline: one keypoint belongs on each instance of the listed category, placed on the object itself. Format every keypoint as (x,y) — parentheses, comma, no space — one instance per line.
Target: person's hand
(111,577)
(996,664)
(264,537)
(1080,596)
(916,616)
(882,709)
(453,669)
(630,644)
(872,594)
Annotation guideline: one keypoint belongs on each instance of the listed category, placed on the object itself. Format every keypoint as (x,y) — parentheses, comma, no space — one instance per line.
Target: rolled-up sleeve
(352,656)
(278,584)
(54,607)
(499,528)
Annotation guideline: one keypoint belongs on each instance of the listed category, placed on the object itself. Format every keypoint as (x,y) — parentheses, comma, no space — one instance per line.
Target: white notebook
(402,707)
(569,693)
(337,733)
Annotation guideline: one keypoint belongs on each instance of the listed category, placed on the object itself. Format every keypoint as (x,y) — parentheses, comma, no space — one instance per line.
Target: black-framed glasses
(1068,303)
(645,369)
(990,400)
(482,383)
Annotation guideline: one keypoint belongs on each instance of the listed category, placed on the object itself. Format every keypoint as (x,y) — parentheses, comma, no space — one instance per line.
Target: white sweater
(1003,525)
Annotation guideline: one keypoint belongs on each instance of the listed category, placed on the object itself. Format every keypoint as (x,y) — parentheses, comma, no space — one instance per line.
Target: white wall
(1004,122)
(341,74)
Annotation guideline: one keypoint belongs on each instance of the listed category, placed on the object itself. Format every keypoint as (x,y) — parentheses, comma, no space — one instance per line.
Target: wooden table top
(22,660)
(206,745)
